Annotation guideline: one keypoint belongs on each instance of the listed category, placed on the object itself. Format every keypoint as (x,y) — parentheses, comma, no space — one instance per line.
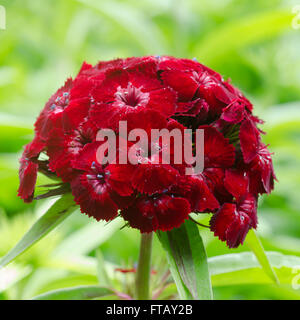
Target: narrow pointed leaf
(60,210)
(188,262)
(102,275)
(75,293)
(183,291)
(243,268)
(255,245)
(88,238)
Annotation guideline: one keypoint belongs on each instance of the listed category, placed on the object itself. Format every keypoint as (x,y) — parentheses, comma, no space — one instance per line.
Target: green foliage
(255,245)
(52,218)
(251,42)
(233,268)
(187,260)
(75,293)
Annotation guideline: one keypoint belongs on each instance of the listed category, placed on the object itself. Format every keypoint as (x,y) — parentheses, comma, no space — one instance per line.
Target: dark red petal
(122,201)
(59,155)
(184,107)
(34,148)
(268,174)
(171,63)
(142,67)
(262,165)
(105,91)
(222,219)
(63,169)
(101,115)
(173,147)
(255,183)
(182,82)
(151,178)
(222,94)
(171,211)
(141,215)
(163,100)
(197,109)
(27,175)
(94,201)
(83,87)
(249,138)
(162,213)
(51,117)
(236,182)
(75,113)
(29,168)
(104,66)
(234,112)
(214,178)
(200,109)
(63,149)
(237,231)
(87,156)
(85,66)
(55,145)
(173,124)
(238,93)
(200,196)
(248,205)
(218,152)
(229,225)
(144,77)
(213,91)
(119,178)
(146,120)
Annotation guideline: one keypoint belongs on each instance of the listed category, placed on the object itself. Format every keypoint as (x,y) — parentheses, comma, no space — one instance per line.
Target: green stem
(144,267)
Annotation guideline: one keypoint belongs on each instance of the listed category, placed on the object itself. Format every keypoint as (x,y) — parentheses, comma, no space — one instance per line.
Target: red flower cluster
(153,93)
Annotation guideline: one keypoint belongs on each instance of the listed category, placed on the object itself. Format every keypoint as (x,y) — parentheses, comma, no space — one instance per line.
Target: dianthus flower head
(152,93)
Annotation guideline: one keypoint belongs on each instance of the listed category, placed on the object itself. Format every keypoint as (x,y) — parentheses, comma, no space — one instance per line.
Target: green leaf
(88,237)
(44,280)
(255,245)
(188,262)
(60,210)
(65,282)
(75,293)
(183,291)
(103,277)
(243,268)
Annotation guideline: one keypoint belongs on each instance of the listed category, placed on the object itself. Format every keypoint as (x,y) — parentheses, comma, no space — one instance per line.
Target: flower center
(60,102)
(131,96)
(97,180)
(81,137)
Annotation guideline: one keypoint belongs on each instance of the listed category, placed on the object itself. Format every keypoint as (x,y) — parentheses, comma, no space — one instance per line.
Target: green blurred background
(253,42)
